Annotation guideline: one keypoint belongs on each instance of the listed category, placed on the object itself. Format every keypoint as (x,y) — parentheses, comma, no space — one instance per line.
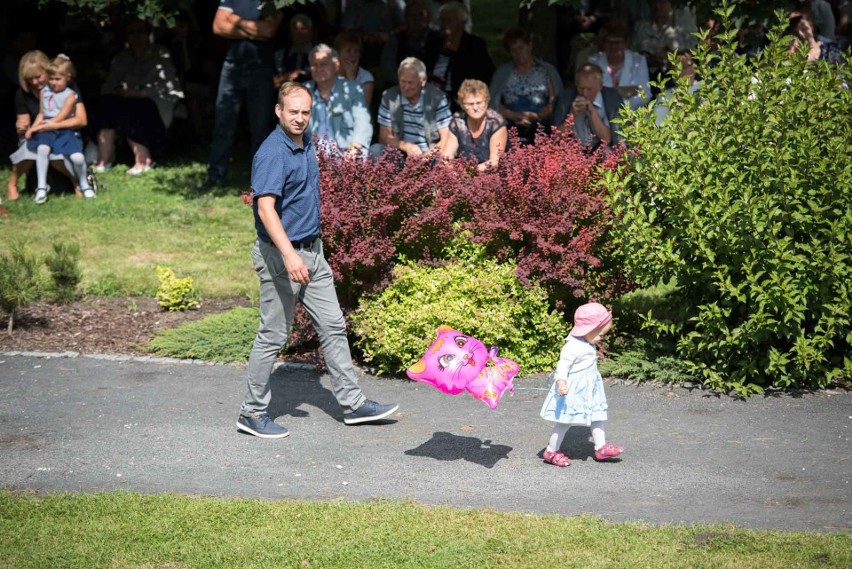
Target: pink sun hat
(588,317)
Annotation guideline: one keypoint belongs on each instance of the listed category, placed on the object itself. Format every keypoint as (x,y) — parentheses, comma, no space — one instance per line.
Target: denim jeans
(278,295)
(238,84)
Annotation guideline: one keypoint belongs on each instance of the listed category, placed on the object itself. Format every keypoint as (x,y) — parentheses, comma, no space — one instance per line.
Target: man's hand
(410,149)
(581,105)
(296,269)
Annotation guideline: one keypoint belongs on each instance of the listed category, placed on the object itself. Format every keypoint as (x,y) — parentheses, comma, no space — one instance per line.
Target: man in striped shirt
(413,116)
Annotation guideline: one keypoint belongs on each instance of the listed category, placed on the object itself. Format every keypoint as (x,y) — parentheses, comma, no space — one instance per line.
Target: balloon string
(549,384)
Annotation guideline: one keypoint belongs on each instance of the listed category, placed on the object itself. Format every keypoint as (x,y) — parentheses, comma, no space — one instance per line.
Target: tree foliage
(155,11)
(741,196)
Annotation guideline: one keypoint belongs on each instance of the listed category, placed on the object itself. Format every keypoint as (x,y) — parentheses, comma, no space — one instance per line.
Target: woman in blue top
(525,89)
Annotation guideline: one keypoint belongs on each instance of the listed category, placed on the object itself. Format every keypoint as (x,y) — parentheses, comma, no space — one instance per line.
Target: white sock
(556,436)
(598,434)
(79,163)
(42,161)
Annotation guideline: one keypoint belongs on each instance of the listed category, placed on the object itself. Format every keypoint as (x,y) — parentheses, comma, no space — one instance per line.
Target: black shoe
(369,411)
(261,425)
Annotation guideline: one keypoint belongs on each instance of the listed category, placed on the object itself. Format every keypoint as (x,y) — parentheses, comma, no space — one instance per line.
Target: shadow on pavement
(447,446)
(290,395)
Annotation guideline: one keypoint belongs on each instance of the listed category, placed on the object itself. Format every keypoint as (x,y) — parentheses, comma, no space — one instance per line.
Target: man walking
(289,261)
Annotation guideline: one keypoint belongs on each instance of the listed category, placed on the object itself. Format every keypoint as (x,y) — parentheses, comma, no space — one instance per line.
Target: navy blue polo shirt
(290,173)
(248,52)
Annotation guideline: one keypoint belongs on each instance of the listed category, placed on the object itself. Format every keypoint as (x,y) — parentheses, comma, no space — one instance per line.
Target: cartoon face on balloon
(456,362)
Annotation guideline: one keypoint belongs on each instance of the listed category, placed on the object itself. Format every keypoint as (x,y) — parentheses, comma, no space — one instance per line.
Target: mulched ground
(99,325)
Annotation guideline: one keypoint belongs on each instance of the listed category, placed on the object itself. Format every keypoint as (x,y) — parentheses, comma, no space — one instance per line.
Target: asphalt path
(86,424)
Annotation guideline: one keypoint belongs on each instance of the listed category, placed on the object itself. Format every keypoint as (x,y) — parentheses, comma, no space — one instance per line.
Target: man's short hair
(288,88)
(454,9)
(323,49)
(590,70)
(415,64)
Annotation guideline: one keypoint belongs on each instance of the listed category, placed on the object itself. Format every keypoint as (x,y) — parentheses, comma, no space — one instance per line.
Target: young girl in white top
(577,396)
(57,103)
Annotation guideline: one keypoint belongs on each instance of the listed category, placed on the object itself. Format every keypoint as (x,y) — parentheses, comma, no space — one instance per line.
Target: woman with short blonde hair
(32,77)
(477,132)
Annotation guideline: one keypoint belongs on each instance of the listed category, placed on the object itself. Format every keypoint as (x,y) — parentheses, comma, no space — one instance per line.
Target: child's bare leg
(18,170)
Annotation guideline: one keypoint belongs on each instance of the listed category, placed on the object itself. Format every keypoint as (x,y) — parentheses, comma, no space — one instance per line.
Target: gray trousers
(278,295)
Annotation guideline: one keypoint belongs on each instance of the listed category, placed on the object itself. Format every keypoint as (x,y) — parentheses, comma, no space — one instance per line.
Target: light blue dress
(586,400)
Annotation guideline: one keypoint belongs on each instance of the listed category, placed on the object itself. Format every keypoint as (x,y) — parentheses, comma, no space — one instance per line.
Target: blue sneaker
(369,411)
(261,425)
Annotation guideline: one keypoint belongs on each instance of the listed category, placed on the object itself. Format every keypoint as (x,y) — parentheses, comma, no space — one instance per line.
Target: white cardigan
(633,72)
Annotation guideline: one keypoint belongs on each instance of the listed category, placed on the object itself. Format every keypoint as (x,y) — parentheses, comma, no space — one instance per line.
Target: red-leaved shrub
(548,214)
(542,208)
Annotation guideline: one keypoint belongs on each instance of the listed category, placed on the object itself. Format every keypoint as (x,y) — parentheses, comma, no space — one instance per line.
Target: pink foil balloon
(455,363)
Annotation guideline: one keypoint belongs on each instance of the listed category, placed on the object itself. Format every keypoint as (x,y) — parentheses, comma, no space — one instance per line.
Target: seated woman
(525,89)
(32,77)
(476,133)
(624,69)
(139,98)
(802,30)
(348,46)
(462,56)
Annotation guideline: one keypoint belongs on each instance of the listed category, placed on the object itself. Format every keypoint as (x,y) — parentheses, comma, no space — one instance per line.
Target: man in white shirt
(593,106)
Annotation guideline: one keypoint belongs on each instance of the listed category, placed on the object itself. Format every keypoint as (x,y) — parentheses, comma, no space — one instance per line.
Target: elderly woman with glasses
(624,69)
(476,133)
(524,89)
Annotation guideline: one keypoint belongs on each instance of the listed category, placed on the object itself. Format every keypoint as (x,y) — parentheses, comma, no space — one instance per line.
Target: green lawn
(140,222)
(167,531)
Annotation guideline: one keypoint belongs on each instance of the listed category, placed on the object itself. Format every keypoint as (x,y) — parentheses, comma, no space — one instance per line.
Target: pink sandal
(556,458)
(608,452)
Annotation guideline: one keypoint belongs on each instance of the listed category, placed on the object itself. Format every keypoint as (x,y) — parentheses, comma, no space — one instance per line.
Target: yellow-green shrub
(175,293)
(476,296)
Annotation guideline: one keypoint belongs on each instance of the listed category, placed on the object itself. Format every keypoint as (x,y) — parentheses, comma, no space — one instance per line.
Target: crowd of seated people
(410,75)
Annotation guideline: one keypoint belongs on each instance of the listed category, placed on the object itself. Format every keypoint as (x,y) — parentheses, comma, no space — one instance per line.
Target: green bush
(225,337)
(644,360)
(65,273)
(20,281)
(477,296)
(741,199)
(175,293)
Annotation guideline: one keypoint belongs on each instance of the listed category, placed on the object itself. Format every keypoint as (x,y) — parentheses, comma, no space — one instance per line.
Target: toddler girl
(56,104)
(577,396)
